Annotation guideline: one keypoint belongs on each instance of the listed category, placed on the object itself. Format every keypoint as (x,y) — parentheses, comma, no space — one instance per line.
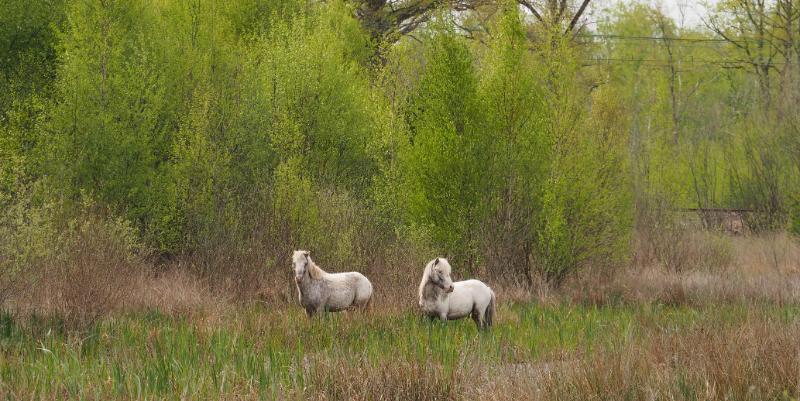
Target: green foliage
(317,100)
(113,120)
(270,354)
(28,52)
(507,162)
(29,233)
(28,45)
(705,135)
(513,98)
(763,174)
(168,118)
(20,137)
(447,166)
(585,217)
(207,124)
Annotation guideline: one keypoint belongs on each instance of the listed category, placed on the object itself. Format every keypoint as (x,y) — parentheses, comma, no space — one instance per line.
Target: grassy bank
(555,351)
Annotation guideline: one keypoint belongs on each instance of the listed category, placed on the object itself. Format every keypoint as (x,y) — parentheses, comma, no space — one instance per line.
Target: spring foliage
(207,124)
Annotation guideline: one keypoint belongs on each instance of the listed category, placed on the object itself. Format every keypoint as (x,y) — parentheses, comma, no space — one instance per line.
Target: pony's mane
(425,275)
(315,271)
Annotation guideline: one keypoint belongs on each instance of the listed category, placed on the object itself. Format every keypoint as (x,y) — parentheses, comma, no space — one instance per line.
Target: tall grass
(258,353)
(98,319)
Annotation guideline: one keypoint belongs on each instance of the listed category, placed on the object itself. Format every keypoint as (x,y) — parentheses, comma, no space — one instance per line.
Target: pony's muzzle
(450,289)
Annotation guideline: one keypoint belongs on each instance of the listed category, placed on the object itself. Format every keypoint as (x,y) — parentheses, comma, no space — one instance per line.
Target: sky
(693,10)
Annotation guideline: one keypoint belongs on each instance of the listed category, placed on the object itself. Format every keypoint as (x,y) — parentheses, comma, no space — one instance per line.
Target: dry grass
(761,268)
(755,360)
(719,268)
(386,380)
(176,293)
(92,278)
(622,352)
(99,277)
(697,316)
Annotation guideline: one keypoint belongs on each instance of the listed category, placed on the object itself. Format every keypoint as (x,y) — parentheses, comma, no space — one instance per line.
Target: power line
(681,44)
(666,63)
(710,42)
(667,38)
(653,38)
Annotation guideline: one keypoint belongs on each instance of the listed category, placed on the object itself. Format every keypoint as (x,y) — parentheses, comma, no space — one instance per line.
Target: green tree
(28,57)
(513,100)
(446,167)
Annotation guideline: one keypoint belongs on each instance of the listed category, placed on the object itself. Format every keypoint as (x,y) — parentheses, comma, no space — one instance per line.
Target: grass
(259,354)
(725,329)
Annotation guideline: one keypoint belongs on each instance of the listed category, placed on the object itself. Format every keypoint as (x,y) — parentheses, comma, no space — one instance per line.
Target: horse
(440,297)
(321,291)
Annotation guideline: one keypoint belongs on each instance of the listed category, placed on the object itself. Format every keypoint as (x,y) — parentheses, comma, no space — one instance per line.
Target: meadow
(638,335)
(538,352)
(628,185)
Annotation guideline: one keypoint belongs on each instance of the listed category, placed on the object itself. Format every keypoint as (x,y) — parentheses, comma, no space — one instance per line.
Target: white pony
(321,291)
(440,297)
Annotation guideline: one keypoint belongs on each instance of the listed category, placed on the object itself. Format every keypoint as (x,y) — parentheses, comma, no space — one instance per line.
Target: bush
(93,276)
(78,268)
(29,236)
(586,214)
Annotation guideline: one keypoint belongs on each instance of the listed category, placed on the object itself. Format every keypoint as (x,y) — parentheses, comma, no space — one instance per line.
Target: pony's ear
(306,254)
(436,262)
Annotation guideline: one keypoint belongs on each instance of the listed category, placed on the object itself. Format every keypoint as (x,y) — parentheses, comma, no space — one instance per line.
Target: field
(627,182)
(542,352)
(644,334)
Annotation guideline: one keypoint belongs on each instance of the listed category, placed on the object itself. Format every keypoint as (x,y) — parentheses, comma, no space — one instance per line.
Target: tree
(557,13)
(763,33)
(446,167)
(514,103)
(28,65)
(388,20)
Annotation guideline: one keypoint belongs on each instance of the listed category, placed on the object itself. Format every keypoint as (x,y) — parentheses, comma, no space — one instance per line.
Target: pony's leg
(361,308)
(310,310)
(428,318)
(367,307)
(476,317)
(479,316)
(315,310)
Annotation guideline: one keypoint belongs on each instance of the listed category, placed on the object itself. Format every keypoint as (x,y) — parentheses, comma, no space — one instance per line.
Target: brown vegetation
(96,274)
(750,358)
(755,361)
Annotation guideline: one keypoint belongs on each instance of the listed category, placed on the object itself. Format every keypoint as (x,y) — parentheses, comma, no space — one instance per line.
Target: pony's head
(301,263)
(439,274)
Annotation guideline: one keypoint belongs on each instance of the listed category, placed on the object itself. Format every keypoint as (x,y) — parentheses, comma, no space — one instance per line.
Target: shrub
(29,236)
(586,214)
(93,276)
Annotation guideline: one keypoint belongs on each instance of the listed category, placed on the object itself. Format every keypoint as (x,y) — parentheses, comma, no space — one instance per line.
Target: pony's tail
(489,318)
(368,305)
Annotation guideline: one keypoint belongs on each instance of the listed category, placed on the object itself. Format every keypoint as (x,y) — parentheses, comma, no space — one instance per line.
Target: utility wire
(740,40)
(660,39)
(666,63)
(706,42)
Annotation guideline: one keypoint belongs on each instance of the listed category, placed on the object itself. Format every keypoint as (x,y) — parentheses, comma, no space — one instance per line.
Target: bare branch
(577,16)
(529,6)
